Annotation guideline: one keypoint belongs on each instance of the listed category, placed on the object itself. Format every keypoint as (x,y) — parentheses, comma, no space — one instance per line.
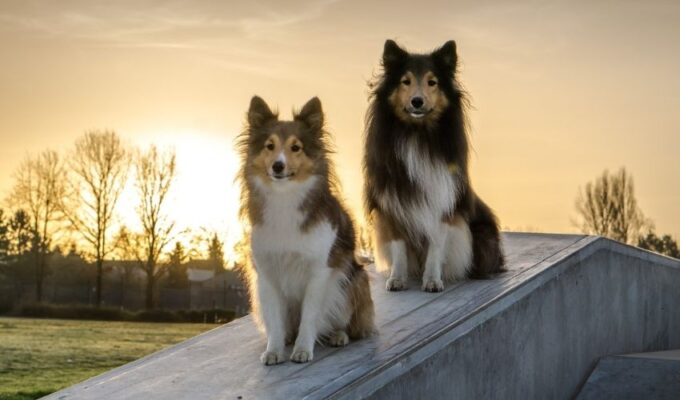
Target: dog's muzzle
(417,113)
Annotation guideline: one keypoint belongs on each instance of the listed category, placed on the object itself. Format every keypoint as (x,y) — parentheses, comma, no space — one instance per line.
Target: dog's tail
(487,254)
(361,323)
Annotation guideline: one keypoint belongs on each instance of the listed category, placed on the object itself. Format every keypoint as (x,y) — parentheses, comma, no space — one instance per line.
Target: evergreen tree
(21,236)
(21,242)
(665,245)
(216,254)
(177,268)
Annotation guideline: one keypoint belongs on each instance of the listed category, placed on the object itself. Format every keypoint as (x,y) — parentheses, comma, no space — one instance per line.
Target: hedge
(115,314)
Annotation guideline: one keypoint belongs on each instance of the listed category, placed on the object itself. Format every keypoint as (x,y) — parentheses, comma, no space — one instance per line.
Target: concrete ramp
(534,332)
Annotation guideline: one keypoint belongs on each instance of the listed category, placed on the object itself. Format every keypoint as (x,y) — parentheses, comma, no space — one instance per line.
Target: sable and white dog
(429,222)
(305,283)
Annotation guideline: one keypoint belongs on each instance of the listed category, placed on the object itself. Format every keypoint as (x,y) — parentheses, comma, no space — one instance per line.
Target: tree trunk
(149,291)
(39,276)
(123,288)
(98,298)
(38,288)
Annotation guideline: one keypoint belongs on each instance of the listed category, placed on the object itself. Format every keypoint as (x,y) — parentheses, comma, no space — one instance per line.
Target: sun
(205,194)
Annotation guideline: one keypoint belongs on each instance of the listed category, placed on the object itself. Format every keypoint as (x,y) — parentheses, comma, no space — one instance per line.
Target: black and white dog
(428,221)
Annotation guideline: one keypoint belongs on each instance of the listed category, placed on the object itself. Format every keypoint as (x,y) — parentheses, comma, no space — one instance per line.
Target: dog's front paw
(433,285)
(338,339)
(395,284)
(272,358)
(301,356)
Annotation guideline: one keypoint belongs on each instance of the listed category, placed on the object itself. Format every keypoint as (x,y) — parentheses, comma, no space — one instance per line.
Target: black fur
(445,139)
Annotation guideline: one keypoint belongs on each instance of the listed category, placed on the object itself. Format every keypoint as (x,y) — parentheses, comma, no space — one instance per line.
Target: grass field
(40,356)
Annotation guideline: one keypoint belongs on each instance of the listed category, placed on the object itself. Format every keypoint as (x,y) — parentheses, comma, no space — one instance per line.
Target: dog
(305,282)
(428,221)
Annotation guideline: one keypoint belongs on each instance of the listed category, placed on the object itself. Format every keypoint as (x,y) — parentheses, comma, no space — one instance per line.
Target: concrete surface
(638,377)
(536,331)
(659,355)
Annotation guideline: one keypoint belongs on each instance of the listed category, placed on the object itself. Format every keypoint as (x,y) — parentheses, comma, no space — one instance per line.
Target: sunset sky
(561,90)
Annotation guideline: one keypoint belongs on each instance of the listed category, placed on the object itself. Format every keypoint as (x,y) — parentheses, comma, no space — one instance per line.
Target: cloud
(246,36)
(274,21)
(176,25)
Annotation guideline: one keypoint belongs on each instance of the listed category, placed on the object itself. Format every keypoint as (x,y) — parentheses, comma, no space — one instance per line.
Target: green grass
(40,356)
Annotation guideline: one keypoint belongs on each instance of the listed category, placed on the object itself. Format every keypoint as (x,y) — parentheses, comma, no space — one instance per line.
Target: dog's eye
(270,146)
(406,82)
(295,148)
(431,82)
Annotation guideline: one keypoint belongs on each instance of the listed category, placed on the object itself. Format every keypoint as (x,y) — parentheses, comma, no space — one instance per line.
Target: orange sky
(561,90)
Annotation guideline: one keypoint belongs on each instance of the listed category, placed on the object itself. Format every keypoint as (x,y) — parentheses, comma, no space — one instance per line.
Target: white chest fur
(282,251)
(434,178)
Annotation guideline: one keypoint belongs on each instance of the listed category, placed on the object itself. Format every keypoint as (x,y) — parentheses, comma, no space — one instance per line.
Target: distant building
(223,289)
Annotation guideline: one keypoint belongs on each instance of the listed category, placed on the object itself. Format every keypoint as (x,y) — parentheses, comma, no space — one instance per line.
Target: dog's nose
(278,167)
(417,102)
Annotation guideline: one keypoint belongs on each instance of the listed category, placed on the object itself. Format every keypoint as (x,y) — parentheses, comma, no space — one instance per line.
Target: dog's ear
(393,54)
(311,114)
(259,113)
(446,55)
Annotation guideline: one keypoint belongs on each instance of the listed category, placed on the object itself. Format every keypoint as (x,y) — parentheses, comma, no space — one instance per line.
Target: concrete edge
(423,350)
(560,262)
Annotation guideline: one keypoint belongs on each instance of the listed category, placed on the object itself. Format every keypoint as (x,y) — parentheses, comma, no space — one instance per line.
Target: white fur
(294,282)
(281,157)
(449,254)
(396,256)
(436,180)
(458,256)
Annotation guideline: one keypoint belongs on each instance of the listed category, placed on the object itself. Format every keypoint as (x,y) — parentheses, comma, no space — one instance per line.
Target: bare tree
(39,189)
(607,207)
(199,239)
(155,173)
(98,167)
(241,252)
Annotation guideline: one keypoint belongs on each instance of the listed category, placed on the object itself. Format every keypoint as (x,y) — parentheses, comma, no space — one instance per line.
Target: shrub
(72,312)
(158,316)
(114,314)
